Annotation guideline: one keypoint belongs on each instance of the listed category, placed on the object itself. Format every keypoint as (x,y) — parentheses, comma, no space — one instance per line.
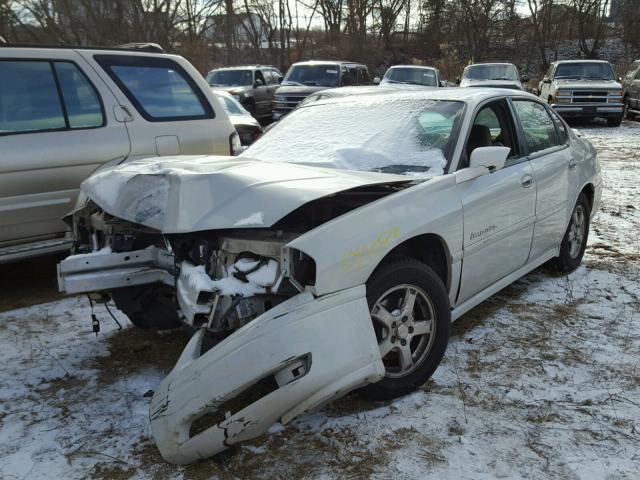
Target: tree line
(444,33)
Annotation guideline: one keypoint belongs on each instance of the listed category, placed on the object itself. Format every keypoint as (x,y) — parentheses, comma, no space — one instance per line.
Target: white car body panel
(334,332)
(494,225)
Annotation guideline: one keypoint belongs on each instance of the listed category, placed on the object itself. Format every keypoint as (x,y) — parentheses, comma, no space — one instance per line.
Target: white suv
(65,112)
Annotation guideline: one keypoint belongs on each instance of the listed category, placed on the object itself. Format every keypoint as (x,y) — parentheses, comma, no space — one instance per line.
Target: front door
(498,208)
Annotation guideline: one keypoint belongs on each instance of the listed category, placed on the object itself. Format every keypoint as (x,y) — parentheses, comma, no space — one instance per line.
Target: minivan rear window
(158,88)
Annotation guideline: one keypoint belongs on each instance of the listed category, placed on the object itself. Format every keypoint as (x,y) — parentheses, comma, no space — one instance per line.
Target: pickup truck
(583,89)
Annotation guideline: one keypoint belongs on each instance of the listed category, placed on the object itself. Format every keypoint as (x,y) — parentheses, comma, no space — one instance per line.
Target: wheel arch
(428,248)
(589,191)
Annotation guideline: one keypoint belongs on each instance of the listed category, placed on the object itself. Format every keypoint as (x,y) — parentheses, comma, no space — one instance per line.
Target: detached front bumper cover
(312,349)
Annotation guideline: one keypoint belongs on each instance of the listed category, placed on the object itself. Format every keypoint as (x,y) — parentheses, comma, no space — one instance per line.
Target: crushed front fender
(310,350)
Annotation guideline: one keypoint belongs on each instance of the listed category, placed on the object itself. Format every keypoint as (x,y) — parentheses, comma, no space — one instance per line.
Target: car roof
(490,63)
(242,67)
(472,96)
(412,66)
(325,62)
(580,61)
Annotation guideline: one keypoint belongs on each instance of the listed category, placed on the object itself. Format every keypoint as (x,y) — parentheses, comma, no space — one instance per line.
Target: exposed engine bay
(222,279)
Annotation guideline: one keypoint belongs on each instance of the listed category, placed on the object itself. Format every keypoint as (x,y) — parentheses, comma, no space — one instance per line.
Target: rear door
(549,154)
(56,127)
(170,106)
(265,91)
(499,207)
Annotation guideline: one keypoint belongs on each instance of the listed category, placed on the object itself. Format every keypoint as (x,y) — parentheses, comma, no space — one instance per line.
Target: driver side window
(492,127)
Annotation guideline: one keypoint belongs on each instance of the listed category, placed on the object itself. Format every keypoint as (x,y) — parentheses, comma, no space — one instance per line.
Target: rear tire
(575,238)
(410,310)
(148,306)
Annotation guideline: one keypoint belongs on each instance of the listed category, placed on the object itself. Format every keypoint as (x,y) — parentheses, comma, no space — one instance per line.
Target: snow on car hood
(196,193)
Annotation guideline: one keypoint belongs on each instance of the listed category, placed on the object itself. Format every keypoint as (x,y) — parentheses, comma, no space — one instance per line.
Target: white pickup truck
(583,89)
(331,261)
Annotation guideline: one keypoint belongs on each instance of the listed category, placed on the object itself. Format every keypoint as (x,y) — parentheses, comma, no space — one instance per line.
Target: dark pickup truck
(304,78)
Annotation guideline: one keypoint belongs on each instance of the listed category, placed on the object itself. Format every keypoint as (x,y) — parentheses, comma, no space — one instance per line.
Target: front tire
(148,306)
(575,238)
(411,317)
(614,121)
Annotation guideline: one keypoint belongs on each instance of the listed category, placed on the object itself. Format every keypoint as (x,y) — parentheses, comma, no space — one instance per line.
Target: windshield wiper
(501,78)
(562,77)
(598,78)
(291,82)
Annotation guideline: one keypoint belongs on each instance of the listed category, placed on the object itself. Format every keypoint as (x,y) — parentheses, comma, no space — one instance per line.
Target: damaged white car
(334,253)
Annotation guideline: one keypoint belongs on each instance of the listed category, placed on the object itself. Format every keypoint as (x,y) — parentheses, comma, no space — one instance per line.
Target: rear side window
(563,137)
(158,87)
(84,109)
(539,130)
(41,95)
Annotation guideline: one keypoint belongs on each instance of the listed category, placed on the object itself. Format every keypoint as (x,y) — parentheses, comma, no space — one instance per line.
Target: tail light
(235,146)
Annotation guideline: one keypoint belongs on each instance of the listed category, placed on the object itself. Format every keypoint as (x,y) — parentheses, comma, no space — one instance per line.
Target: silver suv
(65,112)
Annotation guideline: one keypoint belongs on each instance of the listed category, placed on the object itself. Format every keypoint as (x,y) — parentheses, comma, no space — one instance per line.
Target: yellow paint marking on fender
(355,259)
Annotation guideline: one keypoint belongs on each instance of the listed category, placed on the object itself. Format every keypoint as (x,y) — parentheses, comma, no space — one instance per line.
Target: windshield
(323,75)
(595,71)
(231,105)
(399,135)
(230,78)
(415,76)
(491,72)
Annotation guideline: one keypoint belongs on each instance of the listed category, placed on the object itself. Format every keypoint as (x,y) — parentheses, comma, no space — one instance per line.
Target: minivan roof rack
(136,47)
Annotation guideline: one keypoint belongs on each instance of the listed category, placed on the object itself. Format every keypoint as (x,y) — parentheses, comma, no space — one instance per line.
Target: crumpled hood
(588,84)
(491,83)
(196,193)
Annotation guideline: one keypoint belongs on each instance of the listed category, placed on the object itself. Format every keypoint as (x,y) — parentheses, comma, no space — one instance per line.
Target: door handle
(526,180)
(572,164)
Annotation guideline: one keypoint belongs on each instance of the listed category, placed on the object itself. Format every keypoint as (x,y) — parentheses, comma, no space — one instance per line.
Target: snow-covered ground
(541,381)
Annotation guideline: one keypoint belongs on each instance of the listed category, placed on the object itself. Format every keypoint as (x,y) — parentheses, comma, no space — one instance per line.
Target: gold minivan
(66,112)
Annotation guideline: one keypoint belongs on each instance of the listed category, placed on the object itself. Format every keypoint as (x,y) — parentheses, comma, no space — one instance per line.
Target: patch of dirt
(133,350)
(29,282)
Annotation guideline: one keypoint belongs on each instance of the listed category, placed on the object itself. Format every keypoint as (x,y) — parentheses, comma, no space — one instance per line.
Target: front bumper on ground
(314,350)
(589,109)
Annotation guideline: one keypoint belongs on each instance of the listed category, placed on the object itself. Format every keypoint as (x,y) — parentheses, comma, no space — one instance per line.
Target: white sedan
(334,253)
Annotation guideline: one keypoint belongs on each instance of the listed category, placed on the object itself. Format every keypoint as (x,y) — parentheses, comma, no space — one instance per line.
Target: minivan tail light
(235,146)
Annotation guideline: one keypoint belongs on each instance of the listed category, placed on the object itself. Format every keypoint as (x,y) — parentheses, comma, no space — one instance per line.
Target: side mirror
(441,83)
(258,83)
(376,81)
(483,160)
(457,80)
(492,158)
(279,79)
(524,78)
(546,80)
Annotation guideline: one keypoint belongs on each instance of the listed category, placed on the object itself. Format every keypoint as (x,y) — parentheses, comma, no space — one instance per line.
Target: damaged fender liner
(334,333)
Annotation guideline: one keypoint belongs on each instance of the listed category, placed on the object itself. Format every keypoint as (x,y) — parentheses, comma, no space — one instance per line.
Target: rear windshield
(321,75)
(588,70)
(414,76)
(230,78)
(491,72)
(399,135)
